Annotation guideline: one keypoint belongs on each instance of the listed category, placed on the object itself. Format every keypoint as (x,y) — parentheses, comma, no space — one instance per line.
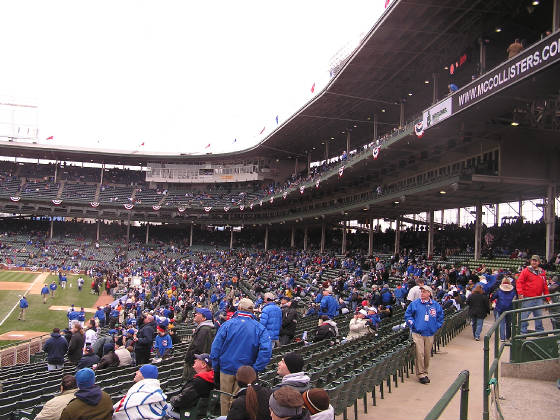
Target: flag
(313,88)
(207,146)
(262,131)
(387,3)
(376,152)
(50,138)
(277,120)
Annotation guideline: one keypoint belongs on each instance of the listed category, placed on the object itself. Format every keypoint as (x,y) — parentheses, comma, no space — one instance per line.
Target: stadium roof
(411,41)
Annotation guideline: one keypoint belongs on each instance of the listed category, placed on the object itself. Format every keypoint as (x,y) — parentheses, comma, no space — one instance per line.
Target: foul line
(40,277)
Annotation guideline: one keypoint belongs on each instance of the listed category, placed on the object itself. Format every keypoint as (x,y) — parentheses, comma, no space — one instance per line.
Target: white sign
(437,113)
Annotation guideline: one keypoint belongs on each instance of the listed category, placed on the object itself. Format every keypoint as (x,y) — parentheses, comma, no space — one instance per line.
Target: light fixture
(409,93)
(535,2)
(355,126)
(322,142)
(514,123)
(342,132)
(383,110)
(365,209)
(332,138)
(427,82)
(396,202)
(443,192)
(446,68)
(498,29)
(314,147)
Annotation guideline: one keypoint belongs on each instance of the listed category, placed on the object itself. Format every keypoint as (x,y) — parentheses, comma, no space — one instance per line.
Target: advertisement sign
(437,113)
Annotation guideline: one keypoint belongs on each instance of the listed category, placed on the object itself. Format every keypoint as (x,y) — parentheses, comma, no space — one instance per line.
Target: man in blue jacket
(329,305)
(424,317)
(45,293)
(240,341)
(271,318)
(100,315)
(23,305)
(55,347)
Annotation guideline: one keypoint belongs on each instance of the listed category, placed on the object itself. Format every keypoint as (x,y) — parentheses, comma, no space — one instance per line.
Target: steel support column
(231,238)
(397,236)
(343,249)
(52,229)
(266,238)
(147,233)
(293,238)
(305,238)
(430,234)
(191,235)
(323,236)
(370,238)
(550,220)
(478,232)
(97,235)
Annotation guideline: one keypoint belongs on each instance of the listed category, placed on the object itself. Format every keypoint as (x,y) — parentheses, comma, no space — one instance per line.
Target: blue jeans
(535,312)
(477,326)
(505,327)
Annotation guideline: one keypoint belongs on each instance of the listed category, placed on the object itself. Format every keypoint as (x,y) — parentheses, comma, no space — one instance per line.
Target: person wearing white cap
(358,325)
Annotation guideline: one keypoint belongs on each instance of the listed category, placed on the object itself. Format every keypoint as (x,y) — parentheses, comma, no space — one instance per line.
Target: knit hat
(246,304)
(316,400)
(85,378)
(149,371)
(362,311)
(206,313)
(293,361)
(107,347)
(286,402)
(161,328)
(506,285)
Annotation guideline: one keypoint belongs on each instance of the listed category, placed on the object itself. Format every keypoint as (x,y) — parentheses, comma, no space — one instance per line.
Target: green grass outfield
(17,276)
(38,316)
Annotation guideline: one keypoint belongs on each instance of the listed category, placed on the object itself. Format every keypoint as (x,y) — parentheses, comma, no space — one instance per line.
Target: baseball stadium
(390,250)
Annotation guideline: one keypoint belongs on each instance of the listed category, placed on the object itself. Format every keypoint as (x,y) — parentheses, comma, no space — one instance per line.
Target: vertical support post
(343,250)
(550,221)
(128,229)
(231,238)
(442,217)
(296,166)
(98,227)
(375,127)
(464,407)
(323,236)
(482,56)
(430,234)
(520,211)
(305,238)
(370,238)
(55,170)
(459,217)
(401,120)
(293,237)
(348,142)
(326,149)
(435,87)
(190,240)
(497,214)
(478,232)
(102,172)
(555,15)
(397,236)
(266,238)
(147,232)
(308,163)
(52,228)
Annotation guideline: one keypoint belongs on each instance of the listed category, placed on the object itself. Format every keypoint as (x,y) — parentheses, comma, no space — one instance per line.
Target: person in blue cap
(23,305)
(90,402)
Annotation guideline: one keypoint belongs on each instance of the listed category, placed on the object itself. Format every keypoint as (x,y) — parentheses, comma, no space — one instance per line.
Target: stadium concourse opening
(414,195)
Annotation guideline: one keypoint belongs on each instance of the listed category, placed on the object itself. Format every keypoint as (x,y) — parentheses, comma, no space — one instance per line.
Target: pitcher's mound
(21,335)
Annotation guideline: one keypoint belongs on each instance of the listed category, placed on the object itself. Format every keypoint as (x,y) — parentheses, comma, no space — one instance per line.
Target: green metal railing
(461,383)
(518,342)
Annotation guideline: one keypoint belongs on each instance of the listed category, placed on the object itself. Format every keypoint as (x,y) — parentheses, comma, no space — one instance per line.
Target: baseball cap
(269,296)
(205,357)
(206,313)
(536,258)
(362,311)
(245,304)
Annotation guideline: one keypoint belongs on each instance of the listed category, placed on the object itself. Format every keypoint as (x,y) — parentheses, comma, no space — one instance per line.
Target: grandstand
(386,142)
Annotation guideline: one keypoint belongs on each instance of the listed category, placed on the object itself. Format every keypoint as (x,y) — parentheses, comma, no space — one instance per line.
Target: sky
(174,75)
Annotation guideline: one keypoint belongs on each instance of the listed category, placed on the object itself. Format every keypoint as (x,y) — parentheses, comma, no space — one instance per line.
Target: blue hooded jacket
(241,341)
(415,317)
(329,306)
(504,300)
(271,318)
(55,347)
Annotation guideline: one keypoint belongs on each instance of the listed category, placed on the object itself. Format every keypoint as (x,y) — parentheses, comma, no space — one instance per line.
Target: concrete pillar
(326,149)
(435,87)
(520,211)
(375,127)
(430,234)
(458,217)
(343,249)
(323,234)
(190,240)
(52,229)
(97,235)
(266,238)
(556,15)
(550,221)
(102,172)
(442,217)
(55,170)
(397,236)
(293,238)
(348,142)
(478,232)
(482,55)
(370,238)
(231,238)
(401,120)
(128,229)
(496,215)
(147,233)
(305,238)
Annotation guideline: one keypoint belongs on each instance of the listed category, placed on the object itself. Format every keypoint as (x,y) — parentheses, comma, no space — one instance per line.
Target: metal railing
(490,382)
(22,351)
(461,383)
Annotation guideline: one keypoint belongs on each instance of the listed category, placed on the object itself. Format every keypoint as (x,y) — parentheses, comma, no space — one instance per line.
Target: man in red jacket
(532,283)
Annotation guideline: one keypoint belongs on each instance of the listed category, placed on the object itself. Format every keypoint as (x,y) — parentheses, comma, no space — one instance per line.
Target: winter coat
(531,283)
(329,306)
(201,341)
(56,348)
(90,336)
(241,341)
(504,300)
(125,358)
(89,404)
(109,360)
(194,389)
(415,317)
(479,305)
(53,407)
(271,319)
(144,400)
(290,317)
(87,361)
(325,331)
(75,347)
(238,411)
(358,328)
(327,414)
(298,380)
(145,336)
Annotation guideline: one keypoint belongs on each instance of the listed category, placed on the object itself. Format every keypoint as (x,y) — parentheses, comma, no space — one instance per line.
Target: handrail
(461,383)
(490,371)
